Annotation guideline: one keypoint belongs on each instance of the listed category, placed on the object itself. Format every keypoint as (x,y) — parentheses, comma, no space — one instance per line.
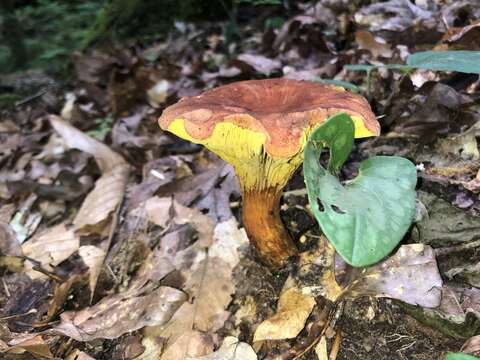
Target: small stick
(456,248)
(5,287)
(336,346)
(31,98)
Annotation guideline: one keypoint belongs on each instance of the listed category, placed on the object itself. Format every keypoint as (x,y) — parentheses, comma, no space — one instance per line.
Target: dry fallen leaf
(321,349)
(209,278)
(51,247)
(102,201)
(472,346)
(79,355)
(260,63)
(231,349)
(93,257)
(118,314)
(31,343)
(293,309)
(98,207)
(153,348)
(367,41)
(410,275)
(163,211)
(109,190)
(227,239)
(190,343)
(457,303)
(212,286)
(9,244)
(142,304)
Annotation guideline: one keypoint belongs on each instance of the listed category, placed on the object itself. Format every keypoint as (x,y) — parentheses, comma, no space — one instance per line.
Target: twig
(33,97)
(37,266)
(31,311)
(111,233)
(336,346)
(5,287)
(456,248)
(297,192)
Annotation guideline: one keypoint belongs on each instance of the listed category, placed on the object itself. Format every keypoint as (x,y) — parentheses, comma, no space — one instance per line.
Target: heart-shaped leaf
(366,218)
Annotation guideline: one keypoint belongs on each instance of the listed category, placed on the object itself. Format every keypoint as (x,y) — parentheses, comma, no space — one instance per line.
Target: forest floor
(121,241)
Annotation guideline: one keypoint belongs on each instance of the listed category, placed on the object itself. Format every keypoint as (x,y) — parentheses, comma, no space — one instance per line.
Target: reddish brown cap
(282,109)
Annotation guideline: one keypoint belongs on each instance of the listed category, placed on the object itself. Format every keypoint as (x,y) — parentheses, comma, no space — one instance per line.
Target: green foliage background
(53,29)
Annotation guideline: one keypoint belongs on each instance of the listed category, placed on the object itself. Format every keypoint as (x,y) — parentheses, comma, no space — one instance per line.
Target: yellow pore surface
(244,150)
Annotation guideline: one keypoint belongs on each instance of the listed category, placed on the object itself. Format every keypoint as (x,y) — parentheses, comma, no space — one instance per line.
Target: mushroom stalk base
(264,227)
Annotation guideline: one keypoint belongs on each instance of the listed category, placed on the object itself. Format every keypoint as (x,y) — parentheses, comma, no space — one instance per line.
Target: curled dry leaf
(109,190)
(51,247)
(468,272)
(93,257)
(209,284)
(95,213)
(457,303)
(259,63)
(292,312)
(31,343)
(445,223)
(142,304)
(472,346)
(104,199)
(231,349)
(118,314)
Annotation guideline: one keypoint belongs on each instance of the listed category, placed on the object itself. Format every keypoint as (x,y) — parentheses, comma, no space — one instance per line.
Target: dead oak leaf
(109,190)
(410,275)
(51,247)
(118,314)
(93,257)
(292,312)
(231,349)
(190,343)
(31,343)
(212,286)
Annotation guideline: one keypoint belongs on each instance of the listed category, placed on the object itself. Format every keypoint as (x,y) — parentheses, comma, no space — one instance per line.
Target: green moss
(465,330)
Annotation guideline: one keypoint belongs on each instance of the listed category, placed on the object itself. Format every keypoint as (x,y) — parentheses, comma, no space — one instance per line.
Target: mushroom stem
(264,227)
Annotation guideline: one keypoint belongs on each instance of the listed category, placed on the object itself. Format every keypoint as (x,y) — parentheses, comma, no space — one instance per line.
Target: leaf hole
(337,209)
(321,208)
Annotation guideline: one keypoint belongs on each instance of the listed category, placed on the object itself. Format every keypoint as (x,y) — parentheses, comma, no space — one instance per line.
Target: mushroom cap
(284,111)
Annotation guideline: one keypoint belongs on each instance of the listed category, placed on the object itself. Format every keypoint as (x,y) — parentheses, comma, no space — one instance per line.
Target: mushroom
(260,127)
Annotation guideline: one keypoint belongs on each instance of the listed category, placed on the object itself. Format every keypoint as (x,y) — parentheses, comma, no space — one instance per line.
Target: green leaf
(344,84)
(367,68)
(461,61)
(366,218)
(460,356)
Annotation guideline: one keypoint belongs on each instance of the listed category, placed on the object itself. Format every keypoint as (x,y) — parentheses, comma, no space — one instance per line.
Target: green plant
(104,126)
(366,218)
(459,61)
(460,356)
(51,31)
